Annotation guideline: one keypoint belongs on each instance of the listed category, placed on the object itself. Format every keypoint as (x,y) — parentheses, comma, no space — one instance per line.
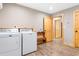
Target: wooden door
(77,29)
(48,24)
(57,28)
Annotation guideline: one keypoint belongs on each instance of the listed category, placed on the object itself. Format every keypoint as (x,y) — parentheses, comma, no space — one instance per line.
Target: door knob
(76,31)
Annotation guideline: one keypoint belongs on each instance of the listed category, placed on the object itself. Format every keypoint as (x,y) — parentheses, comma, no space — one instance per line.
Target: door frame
(74,40)
(62,30)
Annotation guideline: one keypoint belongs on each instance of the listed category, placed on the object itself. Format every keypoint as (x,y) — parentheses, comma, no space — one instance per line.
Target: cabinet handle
(10,35)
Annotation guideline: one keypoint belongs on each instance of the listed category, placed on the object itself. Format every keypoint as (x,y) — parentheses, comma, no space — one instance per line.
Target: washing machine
(29,41)
(10,42)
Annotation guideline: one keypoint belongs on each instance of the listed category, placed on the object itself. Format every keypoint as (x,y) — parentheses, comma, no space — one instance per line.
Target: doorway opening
(58,28)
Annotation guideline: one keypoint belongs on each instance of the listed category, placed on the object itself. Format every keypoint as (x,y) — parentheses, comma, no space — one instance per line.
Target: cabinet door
(29,42)
(8,43)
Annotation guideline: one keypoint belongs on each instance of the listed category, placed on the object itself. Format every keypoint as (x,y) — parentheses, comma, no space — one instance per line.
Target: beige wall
(14,15)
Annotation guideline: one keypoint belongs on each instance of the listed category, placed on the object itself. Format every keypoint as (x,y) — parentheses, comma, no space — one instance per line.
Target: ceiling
(49,8)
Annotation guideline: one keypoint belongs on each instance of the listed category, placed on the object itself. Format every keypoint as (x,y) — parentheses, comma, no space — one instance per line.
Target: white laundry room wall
(12,15)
